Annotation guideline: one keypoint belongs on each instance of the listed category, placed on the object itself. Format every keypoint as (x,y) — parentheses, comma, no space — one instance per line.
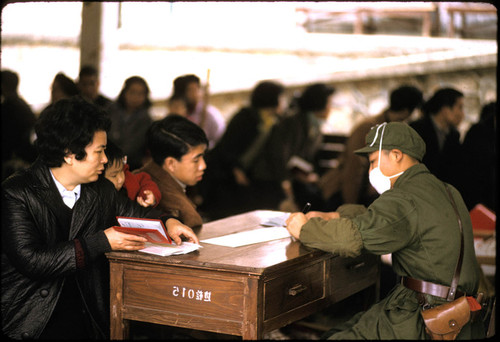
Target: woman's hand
(124,242)
(176,229)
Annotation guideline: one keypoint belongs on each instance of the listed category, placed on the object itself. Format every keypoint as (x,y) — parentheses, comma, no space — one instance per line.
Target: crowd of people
(85,159)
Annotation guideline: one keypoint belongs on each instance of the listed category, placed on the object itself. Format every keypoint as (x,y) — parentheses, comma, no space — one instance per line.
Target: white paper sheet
(173,249)
(249,237)
(277,220)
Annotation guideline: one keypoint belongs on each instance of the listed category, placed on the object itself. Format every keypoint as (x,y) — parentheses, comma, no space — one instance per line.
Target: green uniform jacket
(416,222)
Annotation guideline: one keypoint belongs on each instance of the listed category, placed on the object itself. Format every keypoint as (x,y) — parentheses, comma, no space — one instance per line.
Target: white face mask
(378,180)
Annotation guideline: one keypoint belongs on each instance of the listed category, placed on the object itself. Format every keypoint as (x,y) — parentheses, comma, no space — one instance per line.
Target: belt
(429,288)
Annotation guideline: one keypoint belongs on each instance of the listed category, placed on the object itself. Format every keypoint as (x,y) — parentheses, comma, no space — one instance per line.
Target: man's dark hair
(181,83)
(406,97)
(444,97)
(488,111)
(88,70)
(114,153)
(266,94)
(67,85)
(315,97)
(173,136)
(126,85)
(10,81)
(67,127)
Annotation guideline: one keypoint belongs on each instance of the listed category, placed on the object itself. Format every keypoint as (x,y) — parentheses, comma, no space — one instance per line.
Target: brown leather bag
(445,321)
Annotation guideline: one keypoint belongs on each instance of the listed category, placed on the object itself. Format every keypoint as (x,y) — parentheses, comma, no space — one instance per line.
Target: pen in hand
(307,207)
(305,210)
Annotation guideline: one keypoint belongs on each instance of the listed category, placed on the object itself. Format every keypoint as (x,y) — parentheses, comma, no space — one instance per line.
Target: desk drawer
(294,289)
(351,275)
(194,294)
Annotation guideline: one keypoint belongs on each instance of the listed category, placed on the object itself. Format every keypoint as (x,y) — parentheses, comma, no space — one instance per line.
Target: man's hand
(324,216)
(294,224)
(176,229)
(147,199)
(123,241)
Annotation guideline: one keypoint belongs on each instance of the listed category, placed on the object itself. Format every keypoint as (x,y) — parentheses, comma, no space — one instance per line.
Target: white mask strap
(381,137)
(376,134)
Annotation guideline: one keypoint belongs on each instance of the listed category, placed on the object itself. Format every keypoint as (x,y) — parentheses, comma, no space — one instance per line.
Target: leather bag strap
(456,276)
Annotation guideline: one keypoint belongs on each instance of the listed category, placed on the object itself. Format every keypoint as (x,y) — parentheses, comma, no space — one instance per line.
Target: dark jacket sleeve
(23,241)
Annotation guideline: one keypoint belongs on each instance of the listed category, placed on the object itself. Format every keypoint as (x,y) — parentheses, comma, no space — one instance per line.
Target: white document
(277,220)
(173,249)
(250,237)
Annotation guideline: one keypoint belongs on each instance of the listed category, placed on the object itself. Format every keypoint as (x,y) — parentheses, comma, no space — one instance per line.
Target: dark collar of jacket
(46,191)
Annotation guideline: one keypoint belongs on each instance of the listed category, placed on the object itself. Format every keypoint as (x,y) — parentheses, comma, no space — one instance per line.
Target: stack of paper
(173,249)
(249,237)
(276,221)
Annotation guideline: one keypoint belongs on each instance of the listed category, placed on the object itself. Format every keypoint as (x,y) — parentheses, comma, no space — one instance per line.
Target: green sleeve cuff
(338,236)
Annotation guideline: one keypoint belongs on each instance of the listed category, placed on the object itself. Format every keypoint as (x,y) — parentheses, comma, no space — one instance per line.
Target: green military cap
(396,135)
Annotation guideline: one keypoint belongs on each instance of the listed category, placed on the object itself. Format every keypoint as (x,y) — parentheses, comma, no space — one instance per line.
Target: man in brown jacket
(177,148)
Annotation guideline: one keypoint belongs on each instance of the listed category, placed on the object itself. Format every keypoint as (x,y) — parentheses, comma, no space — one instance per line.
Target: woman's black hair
(67,127)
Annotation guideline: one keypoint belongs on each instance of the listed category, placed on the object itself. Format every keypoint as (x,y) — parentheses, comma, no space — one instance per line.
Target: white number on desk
(192,294)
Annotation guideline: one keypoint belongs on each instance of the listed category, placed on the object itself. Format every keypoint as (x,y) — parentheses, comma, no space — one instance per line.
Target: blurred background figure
(348,182)
(18,122)
(130,119)
(443,112)
(88,84)
(176,104)
(297,141)
(198,109)
(480,160)
(63,87)
(241,174)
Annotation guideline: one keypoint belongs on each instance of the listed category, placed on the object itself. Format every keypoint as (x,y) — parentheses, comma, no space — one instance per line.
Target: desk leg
(252,326)
(119,329)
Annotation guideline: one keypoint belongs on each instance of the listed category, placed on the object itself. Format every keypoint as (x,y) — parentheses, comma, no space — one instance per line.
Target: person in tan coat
(177,148)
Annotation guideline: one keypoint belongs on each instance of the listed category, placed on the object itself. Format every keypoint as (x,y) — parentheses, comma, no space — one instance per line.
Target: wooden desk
(245,291)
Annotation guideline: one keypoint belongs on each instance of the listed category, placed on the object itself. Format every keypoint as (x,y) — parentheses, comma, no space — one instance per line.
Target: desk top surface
(255,258)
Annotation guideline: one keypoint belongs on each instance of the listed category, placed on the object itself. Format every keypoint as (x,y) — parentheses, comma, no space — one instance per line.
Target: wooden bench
(463,10)
(422,10)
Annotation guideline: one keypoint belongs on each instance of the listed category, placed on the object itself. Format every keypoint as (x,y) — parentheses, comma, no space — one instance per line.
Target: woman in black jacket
(57,219)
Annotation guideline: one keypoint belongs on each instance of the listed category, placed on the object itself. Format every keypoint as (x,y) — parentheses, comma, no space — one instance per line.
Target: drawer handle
(296,289)
(356,266)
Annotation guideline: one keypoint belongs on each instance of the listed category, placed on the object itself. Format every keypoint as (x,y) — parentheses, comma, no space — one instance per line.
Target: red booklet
(151,229)
(483,219)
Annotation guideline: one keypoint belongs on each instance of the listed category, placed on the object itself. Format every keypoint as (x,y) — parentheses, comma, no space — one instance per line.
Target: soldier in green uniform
(413,219)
